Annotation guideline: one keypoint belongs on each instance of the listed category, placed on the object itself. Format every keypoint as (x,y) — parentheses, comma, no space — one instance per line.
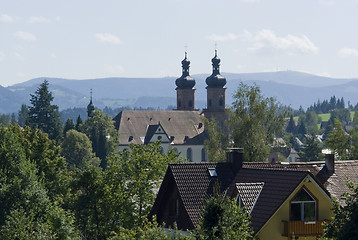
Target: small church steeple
(185,88)
(90,107)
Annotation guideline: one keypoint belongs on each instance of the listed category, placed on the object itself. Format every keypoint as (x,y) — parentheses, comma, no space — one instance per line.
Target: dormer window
(212,172)
(303,207)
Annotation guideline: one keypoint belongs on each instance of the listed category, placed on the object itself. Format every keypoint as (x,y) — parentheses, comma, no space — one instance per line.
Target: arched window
(303,207)
(209,103)
(179,103)
(189,154)
(161,150)
(190,103)
(203,155)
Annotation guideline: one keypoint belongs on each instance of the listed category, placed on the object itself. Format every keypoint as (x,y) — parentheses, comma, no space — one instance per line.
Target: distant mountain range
(291,88)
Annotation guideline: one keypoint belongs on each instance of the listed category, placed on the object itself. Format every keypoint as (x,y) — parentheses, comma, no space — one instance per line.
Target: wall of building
(274,228)
(181,149)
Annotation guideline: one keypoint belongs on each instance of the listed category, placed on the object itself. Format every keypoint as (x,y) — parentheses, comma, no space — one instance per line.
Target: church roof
(184,127)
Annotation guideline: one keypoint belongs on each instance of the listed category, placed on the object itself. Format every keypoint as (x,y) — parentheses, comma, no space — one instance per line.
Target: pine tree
(44,115)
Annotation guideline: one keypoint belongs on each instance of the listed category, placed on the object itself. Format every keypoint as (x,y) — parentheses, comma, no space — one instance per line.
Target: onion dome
(215,79)
(185,81)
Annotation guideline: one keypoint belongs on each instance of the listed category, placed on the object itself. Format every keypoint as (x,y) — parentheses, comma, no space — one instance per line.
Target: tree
(337,140)
(79,123)
(215,146)
(143,167)
(22,115)
(25,202)
(77,150)
(344,223)
(291,126)
(254,121)
(44,115)
(222,218)
(312,150)
(69,124)
(100,130)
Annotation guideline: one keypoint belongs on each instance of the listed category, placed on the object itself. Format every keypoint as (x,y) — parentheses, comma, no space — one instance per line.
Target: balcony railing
(300,228)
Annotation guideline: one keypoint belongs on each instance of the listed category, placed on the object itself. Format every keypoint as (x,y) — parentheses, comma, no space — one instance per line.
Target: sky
(86,39)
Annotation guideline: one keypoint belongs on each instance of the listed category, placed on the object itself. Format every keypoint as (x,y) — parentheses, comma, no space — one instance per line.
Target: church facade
(181,129)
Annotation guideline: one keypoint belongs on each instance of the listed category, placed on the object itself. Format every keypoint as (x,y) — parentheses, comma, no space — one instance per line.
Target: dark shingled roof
(178,124)
(194,184)
(334,183)
(278,185)
(270,188)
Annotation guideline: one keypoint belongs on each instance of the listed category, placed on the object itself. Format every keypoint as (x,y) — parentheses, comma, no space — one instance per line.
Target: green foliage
(312,150)
(337,140)
(44,115)
(77,150)
(69,124)
(150,230)
(30,188)
(344,223)
(222,218)
(310,121)
(215,147)
(100,130)
(254,121)
(22,115)
(143,167)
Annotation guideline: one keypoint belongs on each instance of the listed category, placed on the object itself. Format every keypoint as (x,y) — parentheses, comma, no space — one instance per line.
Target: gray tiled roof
(133,124)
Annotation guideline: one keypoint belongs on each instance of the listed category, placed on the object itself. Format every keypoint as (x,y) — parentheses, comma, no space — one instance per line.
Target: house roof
(278,185)
(334,183)
(270,188)
(182,125)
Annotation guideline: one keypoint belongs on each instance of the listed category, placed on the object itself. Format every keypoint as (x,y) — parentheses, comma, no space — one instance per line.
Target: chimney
(235,157)
(329,162)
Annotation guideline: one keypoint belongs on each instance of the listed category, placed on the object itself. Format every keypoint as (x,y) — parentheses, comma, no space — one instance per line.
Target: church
(181,129)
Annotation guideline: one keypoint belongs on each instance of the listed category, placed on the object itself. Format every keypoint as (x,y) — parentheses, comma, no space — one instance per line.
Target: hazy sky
(80,39)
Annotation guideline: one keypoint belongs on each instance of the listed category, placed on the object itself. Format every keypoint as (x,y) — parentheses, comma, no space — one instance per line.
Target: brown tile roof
(131,123)
(278,185)
(270,187)
(334,183)
(194,184)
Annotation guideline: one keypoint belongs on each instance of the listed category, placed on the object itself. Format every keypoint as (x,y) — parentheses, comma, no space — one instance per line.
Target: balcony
(300,228)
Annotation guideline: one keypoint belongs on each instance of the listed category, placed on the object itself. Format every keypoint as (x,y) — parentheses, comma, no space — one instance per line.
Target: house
(281,202)
(181,129)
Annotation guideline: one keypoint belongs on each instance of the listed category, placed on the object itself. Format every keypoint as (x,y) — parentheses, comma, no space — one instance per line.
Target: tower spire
(185,87)
(90,106)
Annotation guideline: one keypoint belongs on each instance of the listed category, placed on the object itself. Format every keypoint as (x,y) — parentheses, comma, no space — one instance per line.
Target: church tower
(185,88)
(215,93)
(90,107)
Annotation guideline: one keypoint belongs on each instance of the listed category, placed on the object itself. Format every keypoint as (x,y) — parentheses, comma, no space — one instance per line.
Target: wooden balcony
(300,228)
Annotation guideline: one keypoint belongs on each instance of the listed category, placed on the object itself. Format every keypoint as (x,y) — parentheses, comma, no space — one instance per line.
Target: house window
(303,207)
(221,102)
(190,103)
(189,155)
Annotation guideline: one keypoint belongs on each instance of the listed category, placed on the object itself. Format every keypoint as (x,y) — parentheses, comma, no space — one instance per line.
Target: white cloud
(25,36)
(2,56)
(348,52)
(266,41)
(7,19)
(108,38)
(222,38)
(113,69)
(36,19)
